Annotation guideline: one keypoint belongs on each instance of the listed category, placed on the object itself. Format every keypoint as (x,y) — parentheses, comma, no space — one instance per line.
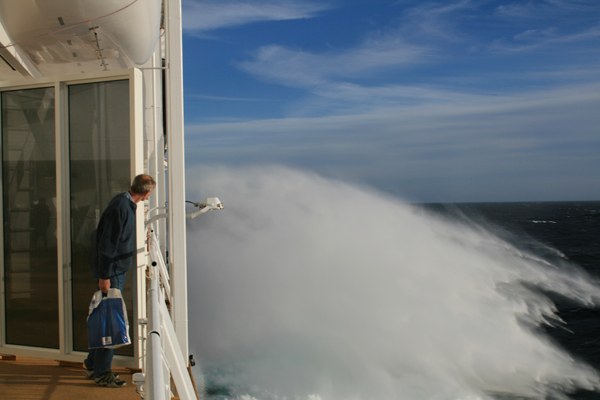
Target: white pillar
(176,173)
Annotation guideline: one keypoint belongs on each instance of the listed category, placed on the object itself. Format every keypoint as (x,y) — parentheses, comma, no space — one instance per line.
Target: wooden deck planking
(24,378)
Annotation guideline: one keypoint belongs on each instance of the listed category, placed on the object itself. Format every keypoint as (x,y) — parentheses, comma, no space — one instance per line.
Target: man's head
(141,187)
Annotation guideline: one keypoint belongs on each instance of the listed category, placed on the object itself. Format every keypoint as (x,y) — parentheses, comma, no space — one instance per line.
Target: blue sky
(432,101)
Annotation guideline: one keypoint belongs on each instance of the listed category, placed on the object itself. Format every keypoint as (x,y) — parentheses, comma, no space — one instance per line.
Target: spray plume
(308,288)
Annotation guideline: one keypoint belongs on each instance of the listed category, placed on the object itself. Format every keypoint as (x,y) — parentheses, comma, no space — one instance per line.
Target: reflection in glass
(99,144)
(29,199)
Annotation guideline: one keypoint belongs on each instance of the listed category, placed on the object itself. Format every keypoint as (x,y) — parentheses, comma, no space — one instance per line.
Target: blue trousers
(100,360)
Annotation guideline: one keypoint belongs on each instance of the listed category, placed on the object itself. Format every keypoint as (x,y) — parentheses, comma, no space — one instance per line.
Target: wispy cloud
(195,97)
(297,68)
(538,25)
(217,14)
(460,94)
(436,20)
(431,35)
(533,39)
(549,133)
(535,10)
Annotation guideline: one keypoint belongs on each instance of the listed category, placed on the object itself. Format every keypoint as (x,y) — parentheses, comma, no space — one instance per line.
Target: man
(115,254)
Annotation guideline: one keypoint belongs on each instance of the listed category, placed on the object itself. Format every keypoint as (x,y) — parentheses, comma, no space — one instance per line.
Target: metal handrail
(159,262)
(155,376)
(164,358)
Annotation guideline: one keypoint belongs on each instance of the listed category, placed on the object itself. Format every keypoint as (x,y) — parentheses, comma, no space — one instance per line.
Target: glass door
(29,216)
(67,148)
(99,147)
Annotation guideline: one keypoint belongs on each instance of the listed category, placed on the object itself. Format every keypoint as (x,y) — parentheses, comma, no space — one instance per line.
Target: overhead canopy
(48,38)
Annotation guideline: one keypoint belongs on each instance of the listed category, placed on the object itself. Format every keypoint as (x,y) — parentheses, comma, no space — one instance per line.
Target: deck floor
(27,378)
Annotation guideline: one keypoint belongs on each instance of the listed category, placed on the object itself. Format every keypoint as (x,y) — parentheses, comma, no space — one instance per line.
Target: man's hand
(104,285)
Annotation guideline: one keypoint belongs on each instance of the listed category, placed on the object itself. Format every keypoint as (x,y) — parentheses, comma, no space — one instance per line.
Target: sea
(309,288)
(556,231)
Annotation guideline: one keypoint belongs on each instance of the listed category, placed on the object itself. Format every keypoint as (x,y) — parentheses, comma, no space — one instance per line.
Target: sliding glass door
(67,148)
(29,216)
(99,158)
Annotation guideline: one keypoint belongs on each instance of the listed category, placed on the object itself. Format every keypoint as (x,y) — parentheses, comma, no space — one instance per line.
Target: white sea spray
(308,288)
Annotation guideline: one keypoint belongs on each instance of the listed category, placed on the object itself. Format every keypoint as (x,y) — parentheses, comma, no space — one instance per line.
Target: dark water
(557,231)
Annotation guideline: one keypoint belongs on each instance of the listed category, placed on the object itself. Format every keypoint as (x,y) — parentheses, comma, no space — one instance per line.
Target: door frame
(61,84)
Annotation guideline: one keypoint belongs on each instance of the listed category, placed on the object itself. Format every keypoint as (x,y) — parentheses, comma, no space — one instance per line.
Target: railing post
(164,356)
(156,385)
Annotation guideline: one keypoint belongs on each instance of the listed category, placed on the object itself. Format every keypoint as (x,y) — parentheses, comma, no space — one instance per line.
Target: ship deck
(24,378)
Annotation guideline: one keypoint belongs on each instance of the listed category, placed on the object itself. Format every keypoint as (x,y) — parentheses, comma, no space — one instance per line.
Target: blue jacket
(115,238)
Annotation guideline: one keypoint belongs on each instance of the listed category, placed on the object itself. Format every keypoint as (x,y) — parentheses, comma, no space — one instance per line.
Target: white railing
(158,262)
(164,358)
(155,387)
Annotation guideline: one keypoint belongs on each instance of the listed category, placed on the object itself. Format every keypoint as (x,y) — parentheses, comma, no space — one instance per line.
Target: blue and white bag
(107,322)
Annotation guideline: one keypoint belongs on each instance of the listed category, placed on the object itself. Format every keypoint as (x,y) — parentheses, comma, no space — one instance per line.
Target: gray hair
(142,184)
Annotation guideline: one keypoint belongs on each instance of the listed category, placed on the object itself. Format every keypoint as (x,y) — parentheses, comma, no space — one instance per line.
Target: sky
(450,101)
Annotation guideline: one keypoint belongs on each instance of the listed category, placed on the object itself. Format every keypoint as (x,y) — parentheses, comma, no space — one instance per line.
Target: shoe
(109,379)
(89,374)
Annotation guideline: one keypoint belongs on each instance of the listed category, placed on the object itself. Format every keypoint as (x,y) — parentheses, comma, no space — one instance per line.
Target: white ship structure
(90,96)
